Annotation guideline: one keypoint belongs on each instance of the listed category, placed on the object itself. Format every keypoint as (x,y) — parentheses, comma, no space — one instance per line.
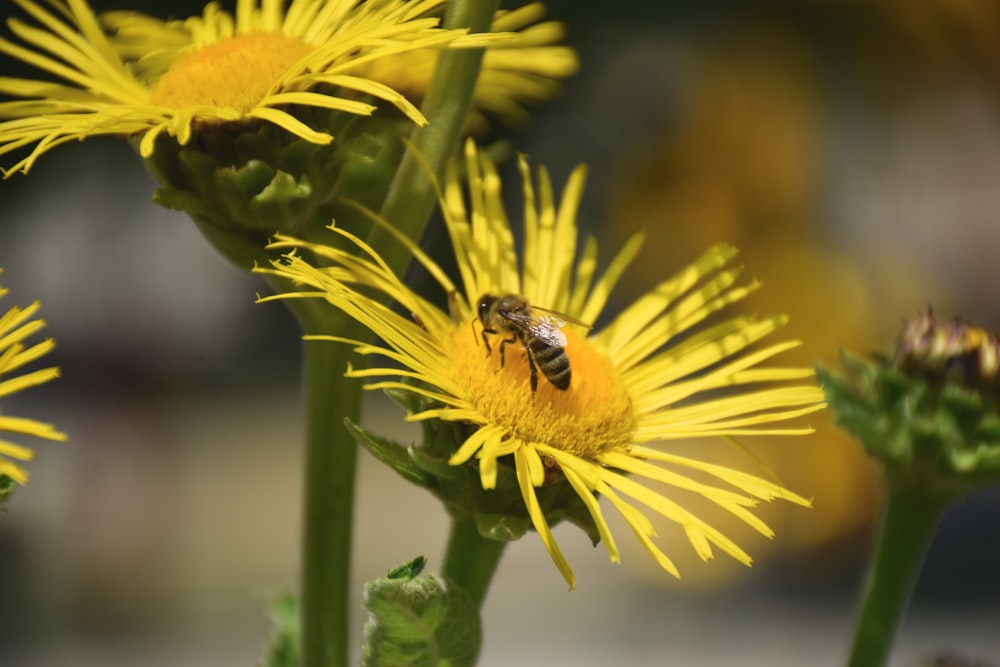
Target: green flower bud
(419,621)
(929,412)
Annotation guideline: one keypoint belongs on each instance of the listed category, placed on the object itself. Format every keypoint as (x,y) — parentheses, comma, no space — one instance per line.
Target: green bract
(241,183)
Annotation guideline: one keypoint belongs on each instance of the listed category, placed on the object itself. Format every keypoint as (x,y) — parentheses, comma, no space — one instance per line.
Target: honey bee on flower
(601,421)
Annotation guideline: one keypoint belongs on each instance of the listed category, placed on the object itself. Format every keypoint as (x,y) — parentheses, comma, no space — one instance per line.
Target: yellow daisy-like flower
(130,74)
(16,326)
(659,370)
(524,70)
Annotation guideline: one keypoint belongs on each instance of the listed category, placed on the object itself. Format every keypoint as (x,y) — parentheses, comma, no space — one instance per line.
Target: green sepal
(502,527)
(392,454)
(419,621)
(282,648)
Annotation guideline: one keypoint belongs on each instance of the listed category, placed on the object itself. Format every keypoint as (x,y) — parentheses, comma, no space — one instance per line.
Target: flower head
(16,326)
(657,371)
(125,73)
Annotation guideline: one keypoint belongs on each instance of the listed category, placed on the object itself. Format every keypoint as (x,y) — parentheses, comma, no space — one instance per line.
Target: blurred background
(850,149)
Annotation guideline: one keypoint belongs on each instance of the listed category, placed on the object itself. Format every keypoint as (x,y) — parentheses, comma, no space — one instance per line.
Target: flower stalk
(471,559)
(328,499)
(908,524)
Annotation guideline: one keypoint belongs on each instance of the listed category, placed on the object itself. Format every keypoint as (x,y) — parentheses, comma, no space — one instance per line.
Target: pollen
(592,416)
(237,72)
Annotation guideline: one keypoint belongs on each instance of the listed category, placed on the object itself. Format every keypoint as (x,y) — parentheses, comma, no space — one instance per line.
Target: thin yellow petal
(636,317)
(14,471)
(12,450)
(570,465)
(474,443)
(598,296)
(21,382)
(756,486)
(699,351)
(642,529)
(538,518)
(699,533)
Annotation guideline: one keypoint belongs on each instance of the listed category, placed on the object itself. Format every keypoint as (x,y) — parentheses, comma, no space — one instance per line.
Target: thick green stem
(911,516)
(411,197)
(471,560)
(328,496)
(331,457)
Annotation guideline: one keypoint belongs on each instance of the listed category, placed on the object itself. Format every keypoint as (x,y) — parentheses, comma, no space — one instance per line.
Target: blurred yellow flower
(523,70)
(659,370)
(125,73)
(17,325)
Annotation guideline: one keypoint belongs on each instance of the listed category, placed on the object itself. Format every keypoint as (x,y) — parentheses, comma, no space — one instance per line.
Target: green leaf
(282,648)
(408,571)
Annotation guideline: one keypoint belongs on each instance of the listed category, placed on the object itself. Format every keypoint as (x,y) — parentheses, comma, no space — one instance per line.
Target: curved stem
(471,560)
(411,197)
(911,516)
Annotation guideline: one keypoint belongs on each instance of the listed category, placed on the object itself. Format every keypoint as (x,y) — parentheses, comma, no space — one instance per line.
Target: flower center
(594,414)
(236,72)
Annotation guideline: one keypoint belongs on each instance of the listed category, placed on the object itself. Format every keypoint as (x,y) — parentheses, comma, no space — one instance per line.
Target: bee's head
(486,302)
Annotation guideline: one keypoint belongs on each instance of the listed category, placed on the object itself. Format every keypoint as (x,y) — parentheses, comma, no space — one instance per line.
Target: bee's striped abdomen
(552,361)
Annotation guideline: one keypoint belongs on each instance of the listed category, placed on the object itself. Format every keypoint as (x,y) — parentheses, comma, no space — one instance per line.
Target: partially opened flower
(660,370)
(129,74)
(17,325)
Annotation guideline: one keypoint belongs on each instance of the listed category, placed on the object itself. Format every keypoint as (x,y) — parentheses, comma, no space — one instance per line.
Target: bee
(538,329)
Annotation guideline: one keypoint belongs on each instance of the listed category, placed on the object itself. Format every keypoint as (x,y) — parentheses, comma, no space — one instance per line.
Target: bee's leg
(486,341)
(533,369)
(503,345)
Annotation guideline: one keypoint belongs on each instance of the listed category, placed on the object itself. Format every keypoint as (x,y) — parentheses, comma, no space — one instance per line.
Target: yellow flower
(660,370)
(16,325)
(523,70)
(125,73)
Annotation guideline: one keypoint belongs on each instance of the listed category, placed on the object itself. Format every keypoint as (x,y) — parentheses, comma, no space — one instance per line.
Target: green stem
(331,458)
(328,496)
(911,516)
(471,560)
(411,196)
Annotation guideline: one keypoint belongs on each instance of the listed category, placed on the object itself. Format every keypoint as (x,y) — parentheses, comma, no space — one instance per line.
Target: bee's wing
(558,319)
(544,326)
